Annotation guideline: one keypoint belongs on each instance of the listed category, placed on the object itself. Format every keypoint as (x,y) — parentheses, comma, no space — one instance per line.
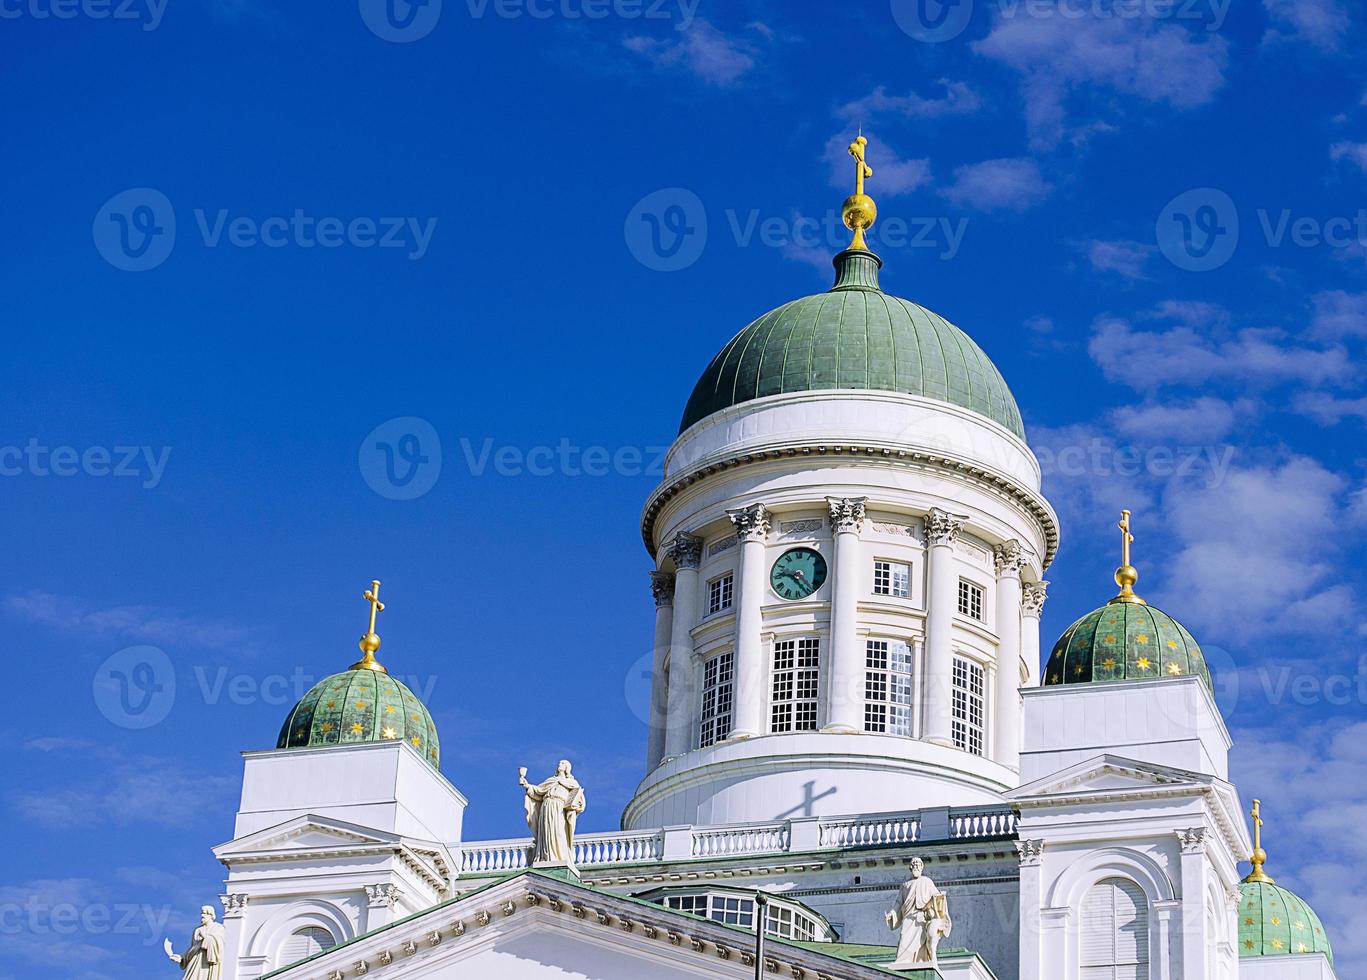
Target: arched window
(304,943)
(1115,931)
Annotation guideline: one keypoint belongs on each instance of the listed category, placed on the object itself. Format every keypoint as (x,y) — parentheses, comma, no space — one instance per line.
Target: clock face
(798,573)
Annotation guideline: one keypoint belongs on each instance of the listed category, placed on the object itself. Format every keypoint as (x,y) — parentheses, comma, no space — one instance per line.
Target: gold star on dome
(1277,944)
(1303,948)
(360,705)
(416,741)
(332,704)
(1300,925)
(414,717)
(1276,921)
(1077,671)
(327,727)
(1174,670)
(1248,921)
(356,728)
(1248,944)
(1143,663)
(1142,638)
(389,733)
(299,733)
(1110,639)
(1172,644)
(389,709)
(1109,663)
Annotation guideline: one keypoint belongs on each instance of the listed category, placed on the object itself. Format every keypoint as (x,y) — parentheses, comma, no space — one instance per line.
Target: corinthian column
(942,530)
(752,527)
(1032,606)
(1010,557)
(662,587)
(686,550)
(844,700)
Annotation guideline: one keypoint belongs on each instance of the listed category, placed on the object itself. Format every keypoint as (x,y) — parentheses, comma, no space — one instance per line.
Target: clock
(798,573)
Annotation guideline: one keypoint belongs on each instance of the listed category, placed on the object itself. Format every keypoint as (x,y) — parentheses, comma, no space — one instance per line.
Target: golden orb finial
(859,212)
(370,642)
(1259,857)
(1126,575)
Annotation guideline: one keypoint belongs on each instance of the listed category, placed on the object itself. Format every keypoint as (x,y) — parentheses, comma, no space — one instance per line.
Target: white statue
(922,914)
(552,809)
(204,959)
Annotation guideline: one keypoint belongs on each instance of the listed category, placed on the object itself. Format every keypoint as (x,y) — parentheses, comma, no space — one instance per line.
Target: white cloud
(1339,314)
(1354,153)
(1147,360)
(894,175)
(1320,23)
(1122,257)
(1257,553)
(148,623)
(1204,419)
(1065,61)
(1328,409)
(993,185)
(703,50)
(958,100)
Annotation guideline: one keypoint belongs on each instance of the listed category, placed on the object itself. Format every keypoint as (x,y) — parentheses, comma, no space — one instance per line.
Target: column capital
(847,513)
(1030,852)
(751,523)
(1009,558)
(662,588)
(1032,598)
(942,527)
(685,549)
(234,906)
(382,895)
(1194,840)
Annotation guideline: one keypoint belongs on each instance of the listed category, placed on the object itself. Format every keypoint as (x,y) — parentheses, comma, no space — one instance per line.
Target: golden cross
(861,168)
(372,595)
(1126,537)
(1257,824)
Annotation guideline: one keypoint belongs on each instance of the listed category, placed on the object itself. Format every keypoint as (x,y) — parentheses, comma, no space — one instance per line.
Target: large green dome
(1125,641)
(1275,922)
(854,336)
(361,705)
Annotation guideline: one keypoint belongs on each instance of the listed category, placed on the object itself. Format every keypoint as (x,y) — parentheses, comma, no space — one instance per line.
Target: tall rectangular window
(891,578)
(970,600)
(967,725)
(796,669)
(718,695)
(719,593)
(887,687)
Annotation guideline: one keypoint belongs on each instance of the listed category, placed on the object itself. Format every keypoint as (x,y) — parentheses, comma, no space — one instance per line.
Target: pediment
(307,833)
(1107,775)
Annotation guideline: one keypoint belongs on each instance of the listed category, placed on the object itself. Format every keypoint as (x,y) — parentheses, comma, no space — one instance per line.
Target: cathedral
(861,762)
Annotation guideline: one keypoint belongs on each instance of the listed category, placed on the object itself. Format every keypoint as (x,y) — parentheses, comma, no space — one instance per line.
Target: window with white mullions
(969,713)
(892,578)
(720,592)
(970,600)
(887,687)
(797,665)
(718,696)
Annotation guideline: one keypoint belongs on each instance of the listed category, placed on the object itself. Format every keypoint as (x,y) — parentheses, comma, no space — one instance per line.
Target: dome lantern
(1275,921)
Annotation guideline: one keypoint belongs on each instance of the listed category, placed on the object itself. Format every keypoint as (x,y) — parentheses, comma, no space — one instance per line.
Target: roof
(854,336)
(361,705)
(1125,641)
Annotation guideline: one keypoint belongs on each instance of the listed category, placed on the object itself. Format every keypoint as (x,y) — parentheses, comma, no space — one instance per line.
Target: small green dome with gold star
(1127,639)
(1275,921)
(362,704)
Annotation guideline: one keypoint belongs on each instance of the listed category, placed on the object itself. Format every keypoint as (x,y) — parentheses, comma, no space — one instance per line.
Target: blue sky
(242,237)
